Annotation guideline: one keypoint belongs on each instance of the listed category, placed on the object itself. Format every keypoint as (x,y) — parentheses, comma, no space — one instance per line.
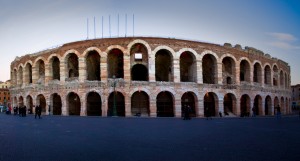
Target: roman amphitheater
(150,77)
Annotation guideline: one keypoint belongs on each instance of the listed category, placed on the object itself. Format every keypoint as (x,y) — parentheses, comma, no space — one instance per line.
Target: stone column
(262,110)
(221,107)
(151,67)
(103,69)
(24,77)
(127,74)
(219,74)
(238,107)
(127,106)
(47,74)
(47,105)
(263,78)
(83,108)
(177,107)
(104,105)
(176,71)
(34,74)
(64,109)
(200,111)
(237,74)
(63,71)
(199,72)
(82,69)
(153,108)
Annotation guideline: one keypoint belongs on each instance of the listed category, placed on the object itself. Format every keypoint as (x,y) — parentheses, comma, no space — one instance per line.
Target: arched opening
(139,62)
(55,68)
(245,71)
(245,105)
(228,70)
(72,66)
(94,104)
(187,67)
(164,104)
(93,66)
(15,78)
(56,104)
(116,104)
(74,104)
(41,101)
(257,105)
(229,103)
(282,109)
(139,73)
(286,80)
(29,104)
(21,101)
(268,75)
(210,104)
(275,76)
(209,69)
(276,103)
(188,99)
(163,66)
(268,105)
(281,79)
(115,64)
(140,104)
(257,73)
(20,76)
(28,74)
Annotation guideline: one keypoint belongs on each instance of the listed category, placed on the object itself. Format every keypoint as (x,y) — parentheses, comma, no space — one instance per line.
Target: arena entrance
(209,69)
(29,104)
(94,104)
(139,73)
(244,71)
(187,67)
(117,99)
(188,98)
(245,105)
(257,105)
(73,103)
(163,66)
(140,104)
(268,106)
(55,68)
(21,101)
(93,66)
(56,104)
(164,104)
(41,101)
(115,64)
(210,104)
(72,65)
(276,103)
(229,104)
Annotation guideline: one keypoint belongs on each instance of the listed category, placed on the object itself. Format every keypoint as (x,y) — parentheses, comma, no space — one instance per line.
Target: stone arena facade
(150,77)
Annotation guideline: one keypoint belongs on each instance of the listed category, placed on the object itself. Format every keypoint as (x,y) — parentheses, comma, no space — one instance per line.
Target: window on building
(4,93)
(4,98)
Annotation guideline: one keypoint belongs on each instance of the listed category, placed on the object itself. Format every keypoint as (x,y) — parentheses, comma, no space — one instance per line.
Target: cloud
(283,36)
(283,41)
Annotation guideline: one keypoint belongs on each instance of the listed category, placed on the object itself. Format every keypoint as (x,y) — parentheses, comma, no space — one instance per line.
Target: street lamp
(114,105)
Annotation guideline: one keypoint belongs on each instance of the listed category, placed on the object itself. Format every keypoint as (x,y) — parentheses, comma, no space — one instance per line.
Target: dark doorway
(55,68)
(229,104)
(245,105)
(164,104)
(188,99)
(163,66)
(257,105)
(29,104)
(140,104)
(268,106)
(94,104)
(139,73)
(209,69)
(118,101)
(209,104)
(74,104)
(93,66)
(187,67)
(115,64)
(73,70)
(42,102)
(56,104)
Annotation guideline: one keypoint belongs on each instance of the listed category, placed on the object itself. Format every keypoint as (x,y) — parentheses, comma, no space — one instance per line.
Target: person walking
(38,111)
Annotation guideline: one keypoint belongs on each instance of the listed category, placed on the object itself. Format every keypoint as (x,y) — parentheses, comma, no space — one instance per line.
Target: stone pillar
(262,111)
(82,69)
(64,109)
(47,105)
(238,107)
(103,69)
(23,77)
(176,70)
(83,108)
(221,107)
(151,67)
(177,107)
(199,72)
(34,74)
(237,74)
(263,78)
(219,74)
(47,74)
(127,74)
(153,108)
(104,106)
(200,111)
(251,74)
(63,71)
(128,106)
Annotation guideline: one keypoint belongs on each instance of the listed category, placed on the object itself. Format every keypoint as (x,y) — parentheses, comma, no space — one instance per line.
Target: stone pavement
(60,138)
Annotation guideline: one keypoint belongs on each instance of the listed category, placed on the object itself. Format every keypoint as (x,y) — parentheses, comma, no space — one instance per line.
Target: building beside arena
(152,77)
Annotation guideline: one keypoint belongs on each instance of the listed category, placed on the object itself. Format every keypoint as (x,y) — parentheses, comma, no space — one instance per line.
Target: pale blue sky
(272,26)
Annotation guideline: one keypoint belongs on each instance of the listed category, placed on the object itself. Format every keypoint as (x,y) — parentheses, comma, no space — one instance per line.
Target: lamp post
(114,105)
